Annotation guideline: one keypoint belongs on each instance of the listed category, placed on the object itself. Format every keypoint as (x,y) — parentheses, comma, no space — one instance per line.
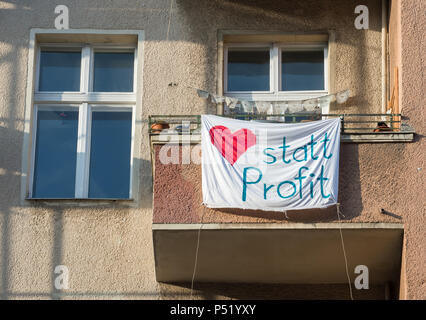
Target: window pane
(113,72)
(55,156)
(248,70)
(59,71)
(302,70)
(110,155)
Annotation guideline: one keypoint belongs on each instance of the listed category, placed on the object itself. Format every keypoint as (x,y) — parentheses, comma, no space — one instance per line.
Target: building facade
(85,196)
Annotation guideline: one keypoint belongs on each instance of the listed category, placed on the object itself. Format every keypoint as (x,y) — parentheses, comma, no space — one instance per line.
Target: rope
(286,216)
(344,253)
(196,256)
(170,17)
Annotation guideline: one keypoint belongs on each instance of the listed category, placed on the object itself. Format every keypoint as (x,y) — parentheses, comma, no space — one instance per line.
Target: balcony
(246,246)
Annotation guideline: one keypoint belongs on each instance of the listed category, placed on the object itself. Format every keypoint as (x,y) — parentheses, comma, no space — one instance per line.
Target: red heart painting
(231,145)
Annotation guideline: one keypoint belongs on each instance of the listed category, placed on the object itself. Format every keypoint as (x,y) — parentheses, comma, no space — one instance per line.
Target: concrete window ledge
(81,202)
(381,137)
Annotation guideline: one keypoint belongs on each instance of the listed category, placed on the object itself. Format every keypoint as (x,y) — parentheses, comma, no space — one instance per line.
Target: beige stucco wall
(413,97)
(107,248)
(394,26)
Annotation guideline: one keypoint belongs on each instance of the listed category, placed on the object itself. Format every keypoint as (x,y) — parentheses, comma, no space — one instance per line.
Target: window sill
(81,202)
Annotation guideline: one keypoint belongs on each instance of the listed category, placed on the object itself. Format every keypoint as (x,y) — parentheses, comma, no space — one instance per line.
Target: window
(83,122)
(248,69)
(59,70)
(275,72)
(56,153)
(113,72)
(111,136)
(302,70)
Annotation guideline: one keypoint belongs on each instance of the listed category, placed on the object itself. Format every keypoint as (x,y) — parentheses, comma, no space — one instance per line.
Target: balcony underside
(295,253)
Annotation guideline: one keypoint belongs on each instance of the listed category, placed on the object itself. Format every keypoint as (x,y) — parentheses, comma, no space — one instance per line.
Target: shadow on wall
(11,139)
(306,215)
(49,217)
(350,198)
(20,269)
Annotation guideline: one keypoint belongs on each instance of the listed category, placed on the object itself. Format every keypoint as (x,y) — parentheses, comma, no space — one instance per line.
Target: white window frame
(84,101)
(276,93)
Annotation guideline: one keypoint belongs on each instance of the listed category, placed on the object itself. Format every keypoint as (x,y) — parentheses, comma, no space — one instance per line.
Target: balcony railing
(375,124)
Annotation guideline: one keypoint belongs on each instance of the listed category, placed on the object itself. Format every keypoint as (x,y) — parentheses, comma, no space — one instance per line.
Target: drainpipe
(384,51)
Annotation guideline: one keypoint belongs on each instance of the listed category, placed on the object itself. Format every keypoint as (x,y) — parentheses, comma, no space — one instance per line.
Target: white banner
(269,166)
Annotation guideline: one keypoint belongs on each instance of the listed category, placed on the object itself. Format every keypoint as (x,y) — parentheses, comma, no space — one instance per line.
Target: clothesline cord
(196,255)
(344,253)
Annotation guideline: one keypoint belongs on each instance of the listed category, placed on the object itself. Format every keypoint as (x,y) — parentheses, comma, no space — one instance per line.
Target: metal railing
(350,123)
